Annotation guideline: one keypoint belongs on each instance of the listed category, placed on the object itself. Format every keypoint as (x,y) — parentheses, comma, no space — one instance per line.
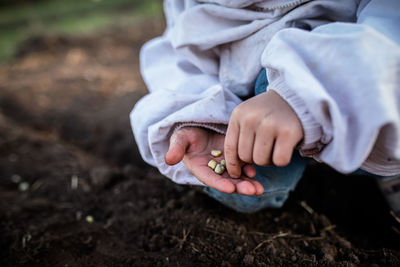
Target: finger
(245,187)
(249,187)
(263,145)
(249,170)
(283,150)
(259,187)
(213,180)
(177,147)
(233,164)
(245,145)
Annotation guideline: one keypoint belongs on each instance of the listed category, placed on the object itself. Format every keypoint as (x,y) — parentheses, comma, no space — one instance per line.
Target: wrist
(313,137)
(216,127)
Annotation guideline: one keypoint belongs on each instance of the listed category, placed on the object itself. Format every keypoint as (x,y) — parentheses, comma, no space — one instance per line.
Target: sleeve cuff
(216,127)
(314,139)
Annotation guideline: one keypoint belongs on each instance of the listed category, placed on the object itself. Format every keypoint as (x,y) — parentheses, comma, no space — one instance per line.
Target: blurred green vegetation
(71,17)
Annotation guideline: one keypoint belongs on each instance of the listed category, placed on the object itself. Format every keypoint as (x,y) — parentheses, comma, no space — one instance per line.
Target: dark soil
(67,152)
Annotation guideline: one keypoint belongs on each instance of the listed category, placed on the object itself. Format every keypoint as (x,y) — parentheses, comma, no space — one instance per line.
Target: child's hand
(193,145)
(262,130)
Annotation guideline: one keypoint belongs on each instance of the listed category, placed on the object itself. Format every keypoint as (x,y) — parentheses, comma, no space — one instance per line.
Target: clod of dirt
(329,253)
(102,176)
(248,259)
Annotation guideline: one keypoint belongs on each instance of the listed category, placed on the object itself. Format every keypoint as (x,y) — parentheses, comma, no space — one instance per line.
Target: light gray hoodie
(336,62)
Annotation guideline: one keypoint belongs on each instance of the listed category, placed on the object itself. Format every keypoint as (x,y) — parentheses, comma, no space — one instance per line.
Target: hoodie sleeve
(343,81)
(182,92)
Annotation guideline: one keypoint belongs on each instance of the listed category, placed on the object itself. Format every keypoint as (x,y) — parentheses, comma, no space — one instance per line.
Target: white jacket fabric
(336,62)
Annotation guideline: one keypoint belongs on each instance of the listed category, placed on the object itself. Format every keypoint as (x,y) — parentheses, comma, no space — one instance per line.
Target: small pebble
(89,219)
(219,169)
(212,164)
(25,239)
(101,176)
(74,182)
(248,259)
(15,178)
(216,153)
(13,158)
(23,186)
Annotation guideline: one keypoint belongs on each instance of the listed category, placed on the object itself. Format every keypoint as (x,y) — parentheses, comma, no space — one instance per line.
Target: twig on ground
(397,231)
(270,239)
(194,248)
(35,186)
(208,255)
(288,235)
(109,223)
(306,207)
(258,233)
(328,228)
(314,238)
(181,241)
(184,238)
(394,216)
(216,232)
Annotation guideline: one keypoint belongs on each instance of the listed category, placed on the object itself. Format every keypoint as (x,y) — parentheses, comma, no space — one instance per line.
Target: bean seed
(212,164)
(219,169)
(216,153)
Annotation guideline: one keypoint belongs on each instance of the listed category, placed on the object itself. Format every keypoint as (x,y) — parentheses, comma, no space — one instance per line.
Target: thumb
(177,148)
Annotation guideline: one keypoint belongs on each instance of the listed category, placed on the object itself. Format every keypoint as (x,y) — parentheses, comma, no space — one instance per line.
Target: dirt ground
(75,192)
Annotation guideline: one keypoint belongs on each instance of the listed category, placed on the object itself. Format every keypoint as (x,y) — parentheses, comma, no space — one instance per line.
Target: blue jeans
(277,181)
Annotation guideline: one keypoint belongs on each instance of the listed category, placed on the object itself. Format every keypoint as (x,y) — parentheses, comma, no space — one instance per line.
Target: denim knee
(277,183)
(249,204)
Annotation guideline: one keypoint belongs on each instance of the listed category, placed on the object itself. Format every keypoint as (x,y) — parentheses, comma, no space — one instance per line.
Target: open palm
(193,145)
